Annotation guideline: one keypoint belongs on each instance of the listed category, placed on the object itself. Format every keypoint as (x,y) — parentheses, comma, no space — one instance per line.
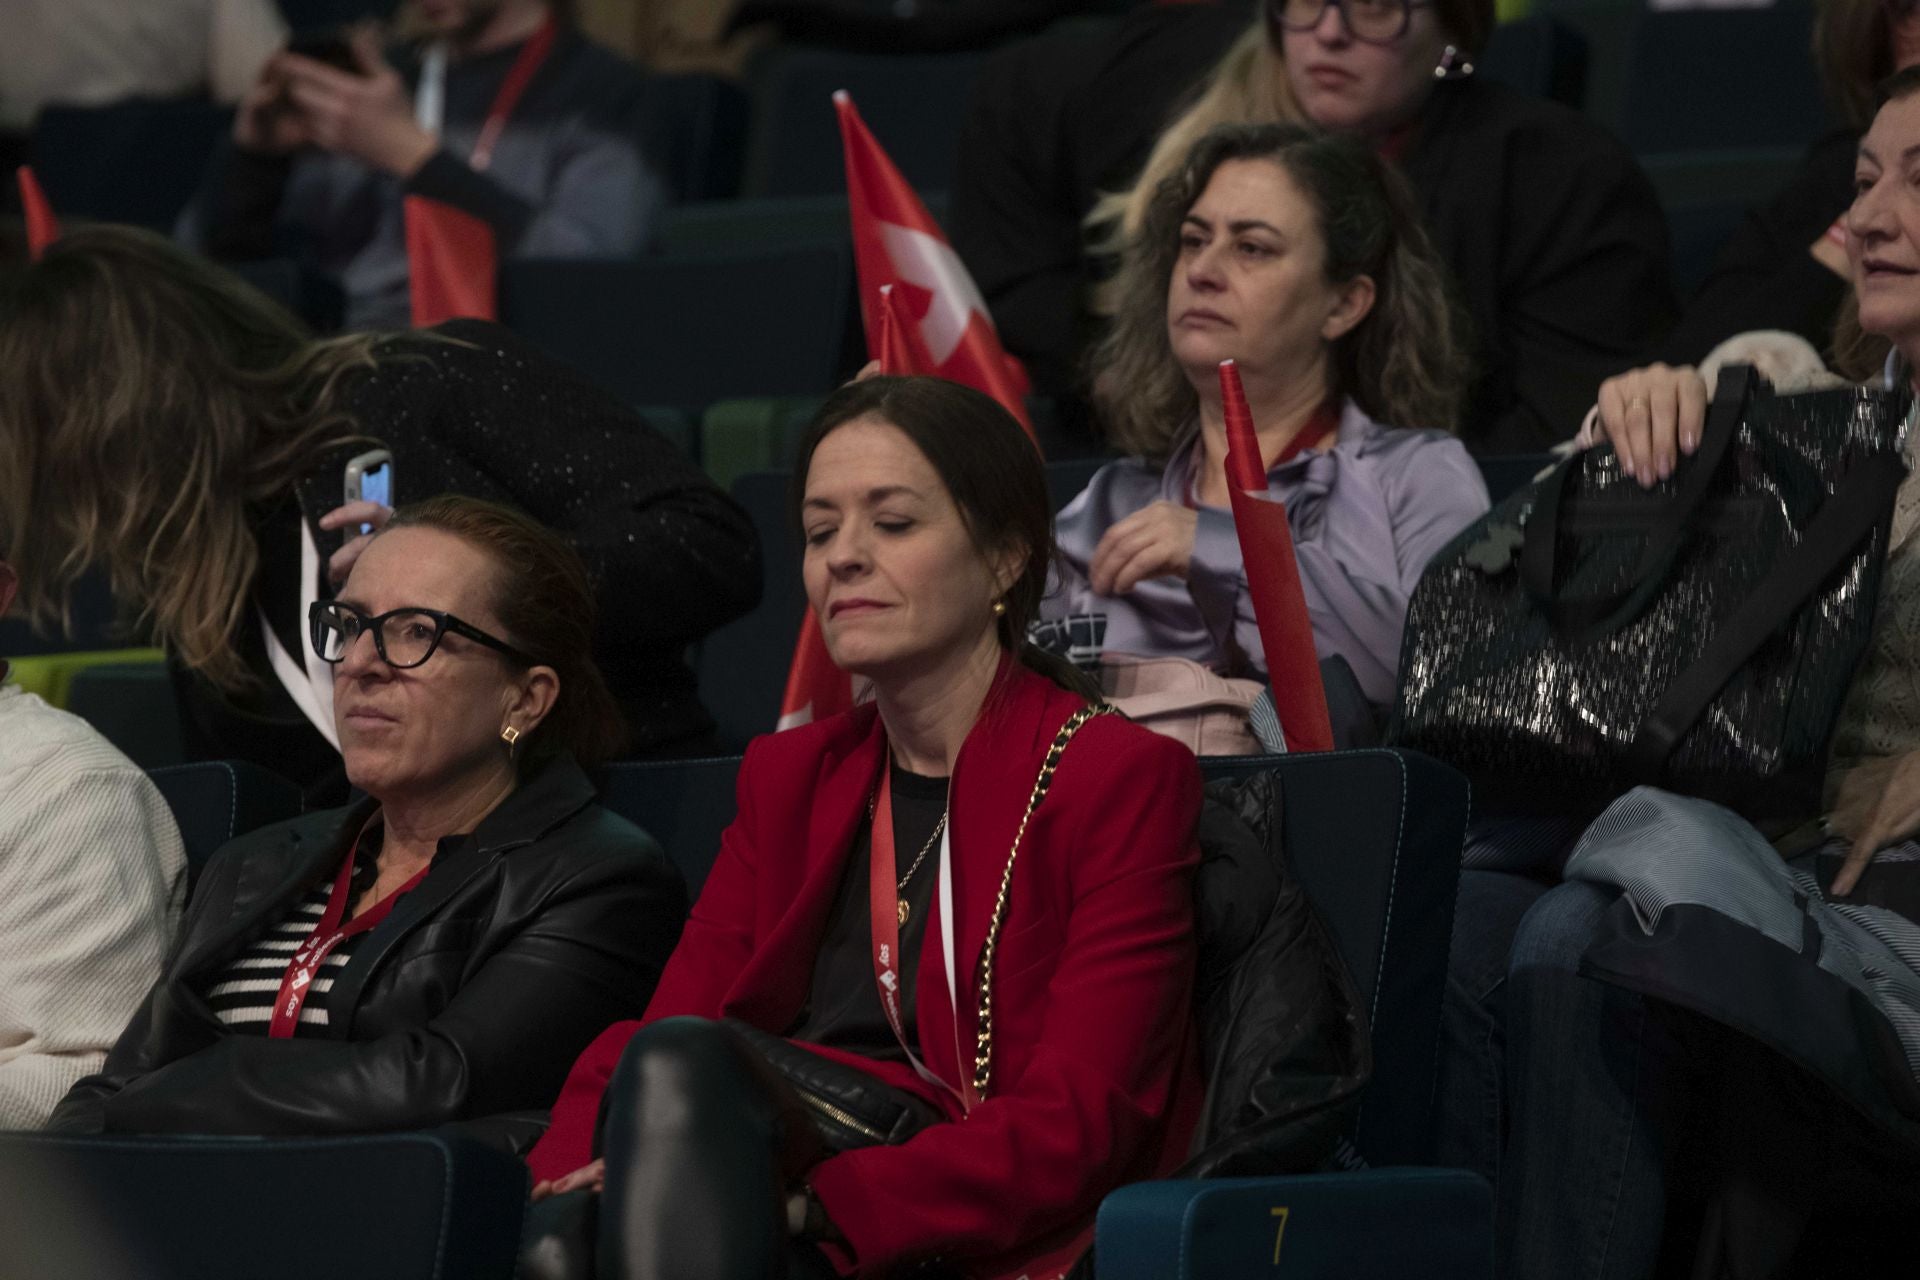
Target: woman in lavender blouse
(1301,257)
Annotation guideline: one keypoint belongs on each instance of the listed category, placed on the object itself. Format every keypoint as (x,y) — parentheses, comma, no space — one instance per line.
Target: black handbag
(849,1107)
(1587,635)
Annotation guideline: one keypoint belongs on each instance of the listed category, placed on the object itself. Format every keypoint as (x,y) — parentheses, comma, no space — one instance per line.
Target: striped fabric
(242,994)
(1664,850)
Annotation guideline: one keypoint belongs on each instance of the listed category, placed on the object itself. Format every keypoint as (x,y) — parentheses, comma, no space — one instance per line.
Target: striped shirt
(242,994)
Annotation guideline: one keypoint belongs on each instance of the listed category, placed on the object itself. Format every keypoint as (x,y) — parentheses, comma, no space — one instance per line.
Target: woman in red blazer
(927,541)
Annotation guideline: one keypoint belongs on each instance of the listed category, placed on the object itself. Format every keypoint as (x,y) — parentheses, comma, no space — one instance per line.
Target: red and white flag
(923,314)
(42,227)
(452,263)
(897,242)
(1273,580)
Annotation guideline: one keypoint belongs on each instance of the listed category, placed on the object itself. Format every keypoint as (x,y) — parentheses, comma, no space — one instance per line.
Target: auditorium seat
(776,220)
(137,161)
(1374,837)
(395,1207)
(684,330)
(314,297)
(756,434)
(134,706)
(913,105)
(1377,1224)
(95,625)
(215,800)
(1718,79)
(693,134)
(51,675)
(742,667)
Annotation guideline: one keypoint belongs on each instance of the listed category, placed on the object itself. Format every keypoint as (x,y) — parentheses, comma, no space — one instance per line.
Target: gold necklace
(900,887)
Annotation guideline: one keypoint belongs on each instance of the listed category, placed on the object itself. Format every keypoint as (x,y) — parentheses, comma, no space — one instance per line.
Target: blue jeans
(1593,1084)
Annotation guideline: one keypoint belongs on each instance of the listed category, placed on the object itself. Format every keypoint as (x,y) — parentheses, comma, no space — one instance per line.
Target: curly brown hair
(1404,364)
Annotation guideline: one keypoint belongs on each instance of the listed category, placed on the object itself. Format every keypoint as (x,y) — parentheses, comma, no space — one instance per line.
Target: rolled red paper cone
(1273,580)
(42,227)
(1245,470)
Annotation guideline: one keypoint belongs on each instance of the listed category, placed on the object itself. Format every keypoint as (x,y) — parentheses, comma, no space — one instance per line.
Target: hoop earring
(1453,64)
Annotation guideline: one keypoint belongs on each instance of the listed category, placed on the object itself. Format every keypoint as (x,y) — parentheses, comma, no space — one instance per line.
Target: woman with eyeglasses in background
(441,950)
(1552,232)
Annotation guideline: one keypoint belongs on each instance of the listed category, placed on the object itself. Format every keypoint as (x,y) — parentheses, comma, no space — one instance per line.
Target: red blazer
(1095,1068)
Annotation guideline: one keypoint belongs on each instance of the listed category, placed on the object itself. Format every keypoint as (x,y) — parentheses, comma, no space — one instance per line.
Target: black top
(670,555)
(843,1010)
(1554,235)
(1766,277)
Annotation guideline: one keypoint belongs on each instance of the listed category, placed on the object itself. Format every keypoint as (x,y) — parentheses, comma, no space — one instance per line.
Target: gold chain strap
(983,1039)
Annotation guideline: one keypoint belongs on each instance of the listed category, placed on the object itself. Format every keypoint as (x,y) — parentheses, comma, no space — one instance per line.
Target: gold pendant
(905,911)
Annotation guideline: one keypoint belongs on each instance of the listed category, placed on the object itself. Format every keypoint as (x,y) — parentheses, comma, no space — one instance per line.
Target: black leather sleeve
(588,956)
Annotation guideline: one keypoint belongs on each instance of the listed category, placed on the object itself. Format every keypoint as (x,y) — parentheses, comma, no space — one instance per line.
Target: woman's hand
(368,116)
(1154,542)
(1652,416)
(1878,805)
(265,122)
(352,515)
(590,1177)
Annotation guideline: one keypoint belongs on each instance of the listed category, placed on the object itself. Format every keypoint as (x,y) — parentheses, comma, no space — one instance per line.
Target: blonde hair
(1404,364)
(150,406)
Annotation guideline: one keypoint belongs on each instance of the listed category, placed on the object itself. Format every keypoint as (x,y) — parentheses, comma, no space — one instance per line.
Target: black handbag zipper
(837,1114)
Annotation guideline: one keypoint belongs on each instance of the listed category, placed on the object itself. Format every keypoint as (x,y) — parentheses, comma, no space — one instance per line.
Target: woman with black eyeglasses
(1552,232)
(443,949)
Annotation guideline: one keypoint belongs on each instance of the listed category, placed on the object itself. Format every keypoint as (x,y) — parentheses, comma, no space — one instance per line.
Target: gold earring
(999,608)
(510,736)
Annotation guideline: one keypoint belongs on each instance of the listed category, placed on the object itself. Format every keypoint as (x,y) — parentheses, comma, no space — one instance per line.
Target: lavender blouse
(1367,515)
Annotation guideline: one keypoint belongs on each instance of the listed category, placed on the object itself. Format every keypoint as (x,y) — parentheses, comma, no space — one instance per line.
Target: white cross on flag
(923,314)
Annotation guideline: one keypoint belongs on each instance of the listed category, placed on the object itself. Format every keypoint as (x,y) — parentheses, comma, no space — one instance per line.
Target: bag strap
(1589,617)
(983,1022)
(1858,503)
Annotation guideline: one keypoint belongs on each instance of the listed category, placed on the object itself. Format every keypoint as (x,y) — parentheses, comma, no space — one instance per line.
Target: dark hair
(991,470)
(1405,363)
(1853,47)
(543,598)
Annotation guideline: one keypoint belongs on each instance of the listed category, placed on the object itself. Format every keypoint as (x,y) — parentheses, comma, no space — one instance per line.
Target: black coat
(471,999)
(670,555)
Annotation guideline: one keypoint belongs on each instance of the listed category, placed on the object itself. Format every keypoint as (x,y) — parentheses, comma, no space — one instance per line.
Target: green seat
(674,425)
(51,675)
(738,436)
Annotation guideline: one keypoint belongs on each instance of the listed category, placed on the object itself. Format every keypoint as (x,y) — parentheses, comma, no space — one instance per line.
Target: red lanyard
(326,935)
(884,905)
(519,76)
(1322,427)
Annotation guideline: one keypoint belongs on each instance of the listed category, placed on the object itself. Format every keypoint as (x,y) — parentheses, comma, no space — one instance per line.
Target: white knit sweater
(92,878)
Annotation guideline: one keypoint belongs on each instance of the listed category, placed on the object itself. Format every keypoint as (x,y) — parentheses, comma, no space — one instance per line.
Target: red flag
(451,263)
(1273,579)
(42,227)
(897,242)
(889,346)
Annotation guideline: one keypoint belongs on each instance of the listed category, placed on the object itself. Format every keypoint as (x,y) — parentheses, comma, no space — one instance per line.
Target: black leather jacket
(470,1000)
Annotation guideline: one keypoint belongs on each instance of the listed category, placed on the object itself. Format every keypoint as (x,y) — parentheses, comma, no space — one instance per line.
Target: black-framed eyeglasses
(404,637)
(1368,21)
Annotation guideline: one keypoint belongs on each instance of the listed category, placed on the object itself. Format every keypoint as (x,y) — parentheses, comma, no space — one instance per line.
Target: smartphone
(370,479)
(328,46)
